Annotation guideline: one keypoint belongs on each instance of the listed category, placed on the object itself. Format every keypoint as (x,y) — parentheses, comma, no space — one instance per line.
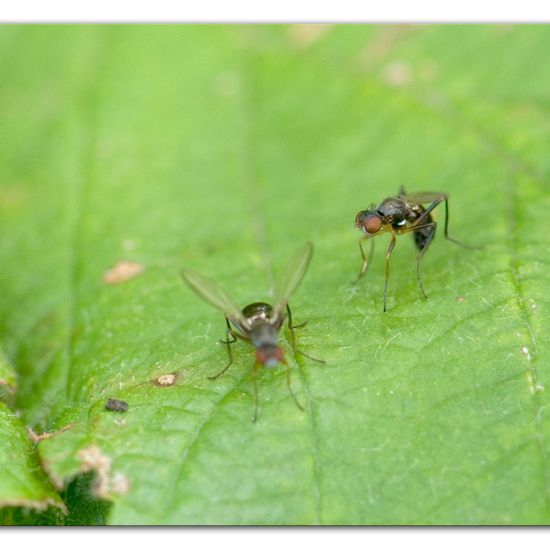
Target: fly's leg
(256,396)
(227,342)
(432,226)
(295,349)
(387,275)
(291,325)
(446,232)
(290,389)
(422,219)
(365,262)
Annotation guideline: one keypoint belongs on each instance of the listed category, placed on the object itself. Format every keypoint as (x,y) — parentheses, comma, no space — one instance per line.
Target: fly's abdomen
(423,236)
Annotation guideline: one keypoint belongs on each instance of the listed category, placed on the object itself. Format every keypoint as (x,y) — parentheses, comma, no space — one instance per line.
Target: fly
(397,216)
(258,323)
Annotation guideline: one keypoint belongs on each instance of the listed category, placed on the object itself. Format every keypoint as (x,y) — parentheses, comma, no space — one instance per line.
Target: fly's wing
(214,294)
(290,278)
(423,198)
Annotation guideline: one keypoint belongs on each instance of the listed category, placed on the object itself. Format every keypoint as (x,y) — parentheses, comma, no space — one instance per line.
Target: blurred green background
(225,148)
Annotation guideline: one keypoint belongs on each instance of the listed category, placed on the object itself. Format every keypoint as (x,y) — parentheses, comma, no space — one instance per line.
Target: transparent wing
(291,277)
(423,198)
(214,294)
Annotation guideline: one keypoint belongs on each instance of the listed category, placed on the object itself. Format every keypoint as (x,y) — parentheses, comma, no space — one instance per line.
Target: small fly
(399,215)
(258,323)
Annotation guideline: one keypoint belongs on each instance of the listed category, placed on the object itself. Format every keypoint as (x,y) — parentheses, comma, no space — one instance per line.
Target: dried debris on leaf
(165,380)
(380,46)
(105,483)
(7,386)
(304,35)
(397,73)
(122,271)
(46,435)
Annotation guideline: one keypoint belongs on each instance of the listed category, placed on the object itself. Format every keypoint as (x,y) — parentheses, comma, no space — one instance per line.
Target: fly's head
(369,221)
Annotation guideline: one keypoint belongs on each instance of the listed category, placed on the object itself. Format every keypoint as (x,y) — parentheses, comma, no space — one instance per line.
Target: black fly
(258,323)
(397,216)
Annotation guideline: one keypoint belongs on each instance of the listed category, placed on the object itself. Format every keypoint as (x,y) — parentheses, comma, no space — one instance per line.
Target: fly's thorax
(263,334)
(393,210)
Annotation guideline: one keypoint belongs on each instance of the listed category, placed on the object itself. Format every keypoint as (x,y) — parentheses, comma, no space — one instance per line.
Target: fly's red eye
(373,224)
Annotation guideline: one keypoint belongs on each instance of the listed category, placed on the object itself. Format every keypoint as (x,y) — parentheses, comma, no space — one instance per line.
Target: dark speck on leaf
(116,405)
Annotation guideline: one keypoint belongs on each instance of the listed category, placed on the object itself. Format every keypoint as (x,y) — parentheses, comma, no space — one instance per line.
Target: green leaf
(7,379)
(82,507)
(22,481)
(224,149)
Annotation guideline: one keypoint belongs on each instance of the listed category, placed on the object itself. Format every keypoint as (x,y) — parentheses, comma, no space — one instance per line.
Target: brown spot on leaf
(122,271)
(397,73)
(460,299)
(307,34)
(35,438)
(93,459)
(8,386)
(166,380)
(46,435)
(105,484)
(120,484)
(383,43)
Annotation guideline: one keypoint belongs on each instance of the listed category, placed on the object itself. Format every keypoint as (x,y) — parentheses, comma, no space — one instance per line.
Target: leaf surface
(7,378)
(223,149)
(22,480)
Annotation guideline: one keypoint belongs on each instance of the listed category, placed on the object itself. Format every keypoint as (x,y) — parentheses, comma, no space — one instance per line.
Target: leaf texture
(222,149)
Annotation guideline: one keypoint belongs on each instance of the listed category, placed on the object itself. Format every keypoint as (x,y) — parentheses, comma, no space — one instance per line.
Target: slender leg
(255,381)
(295,349)
(365,262)
(446,233)
(229,331)
(291,325)
(227,342)
(421,220)
(388,254)
(421,254)
(416,227)
(290,389)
